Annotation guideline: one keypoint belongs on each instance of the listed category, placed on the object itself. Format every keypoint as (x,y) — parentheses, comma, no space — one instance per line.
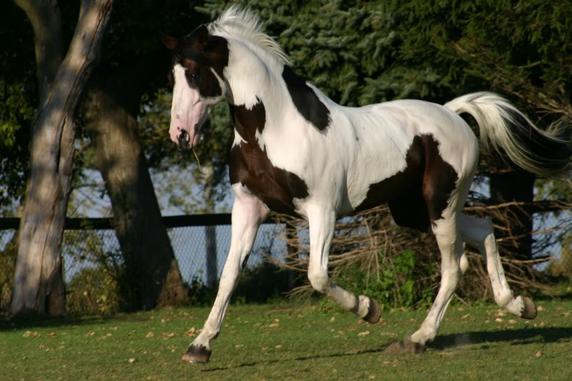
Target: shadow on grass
(300,358)
(34,321)
(510,336)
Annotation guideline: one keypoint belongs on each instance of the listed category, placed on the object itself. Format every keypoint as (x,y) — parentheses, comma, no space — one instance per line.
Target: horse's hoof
(373,313)
(405,346)
(529,308)
(197,354)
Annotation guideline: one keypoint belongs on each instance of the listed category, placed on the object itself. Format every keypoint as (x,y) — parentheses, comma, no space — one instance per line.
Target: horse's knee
(319,280)
(451,277)
(463,263)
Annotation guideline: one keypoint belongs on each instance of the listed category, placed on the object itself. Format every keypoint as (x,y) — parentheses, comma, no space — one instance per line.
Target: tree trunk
(514,186)
(152,274)
(211,256)
(38,284)
(207,173)
(44,15)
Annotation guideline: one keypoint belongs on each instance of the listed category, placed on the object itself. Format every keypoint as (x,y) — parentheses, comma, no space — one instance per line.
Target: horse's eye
(193,78)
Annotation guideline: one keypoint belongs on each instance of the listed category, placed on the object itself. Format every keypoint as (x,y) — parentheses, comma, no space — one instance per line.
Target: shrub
(7,268)
(396,284)
(93,291)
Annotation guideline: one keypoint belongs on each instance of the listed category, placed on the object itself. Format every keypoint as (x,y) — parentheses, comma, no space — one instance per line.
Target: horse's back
(403,120)
(405,148)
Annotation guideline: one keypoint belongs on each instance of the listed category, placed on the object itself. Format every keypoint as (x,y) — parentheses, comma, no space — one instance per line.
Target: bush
(396,284)
(370,255)
(7,268)
(258,284)
(93,291)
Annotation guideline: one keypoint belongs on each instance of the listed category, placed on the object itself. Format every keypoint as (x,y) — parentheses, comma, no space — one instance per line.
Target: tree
(521,50)
(134,67)
(18,96)
(131,43)
(38,283)
(151,274)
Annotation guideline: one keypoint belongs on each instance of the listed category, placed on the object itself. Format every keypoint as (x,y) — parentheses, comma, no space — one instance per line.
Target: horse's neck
(261,83)
(249,74)
(258,96)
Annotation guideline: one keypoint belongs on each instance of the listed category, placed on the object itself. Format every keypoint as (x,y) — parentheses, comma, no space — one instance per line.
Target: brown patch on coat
(250,165)
(417,195)
(306,101)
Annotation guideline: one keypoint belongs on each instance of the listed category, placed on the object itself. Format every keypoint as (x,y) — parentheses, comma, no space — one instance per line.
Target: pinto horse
(295,151)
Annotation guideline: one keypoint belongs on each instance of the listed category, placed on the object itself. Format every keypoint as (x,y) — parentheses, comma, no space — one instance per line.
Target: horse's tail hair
(503,128)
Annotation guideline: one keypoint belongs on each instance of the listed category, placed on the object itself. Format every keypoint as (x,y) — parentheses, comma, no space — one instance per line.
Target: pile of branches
(371,241)
(522,272)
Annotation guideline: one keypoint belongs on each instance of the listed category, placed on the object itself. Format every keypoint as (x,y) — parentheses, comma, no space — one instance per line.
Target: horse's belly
(418,193)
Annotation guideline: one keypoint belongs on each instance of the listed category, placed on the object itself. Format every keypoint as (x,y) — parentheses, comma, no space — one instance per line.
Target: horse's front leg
(247,214)
(321,222)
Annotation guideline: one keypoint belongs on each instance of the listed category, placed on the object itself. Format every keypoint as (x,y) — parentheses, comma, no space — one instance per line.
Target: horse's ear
(200,36)
(170,42)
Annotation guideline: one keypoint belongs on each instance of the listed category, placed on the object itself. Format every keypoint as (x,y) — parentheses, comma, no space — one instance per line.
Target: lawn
(292,341)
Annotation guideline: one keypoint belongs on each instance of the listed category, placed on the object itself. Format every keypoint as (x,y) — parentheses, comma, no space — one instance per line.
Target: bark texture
(152,275)
(38,282)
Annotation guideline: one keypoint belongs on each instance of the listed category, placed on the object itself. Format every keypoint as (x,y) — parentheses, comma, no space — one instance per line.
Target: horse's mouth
(184,139)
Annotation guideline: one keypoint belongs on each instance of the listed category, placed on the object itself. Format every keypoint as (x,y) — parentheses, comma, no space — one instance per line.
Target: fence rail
(87,239)
(212,219)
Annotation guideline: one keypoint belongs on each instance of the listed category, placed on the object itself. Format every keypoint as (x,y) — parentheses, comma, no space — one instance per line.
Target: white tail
(507,130)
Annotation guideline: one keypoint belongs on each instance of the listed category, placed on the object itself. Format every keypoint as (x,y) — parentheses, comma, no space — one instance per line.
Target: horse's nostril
(184,139)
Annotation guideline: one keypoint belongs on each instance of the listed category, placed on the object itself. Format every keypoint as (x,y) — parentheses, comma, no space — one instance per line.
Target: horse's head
(198,63)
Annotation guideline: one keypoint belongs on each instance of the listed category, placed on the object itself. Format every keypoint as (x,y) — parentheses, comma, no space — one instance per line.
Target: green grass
(292,341)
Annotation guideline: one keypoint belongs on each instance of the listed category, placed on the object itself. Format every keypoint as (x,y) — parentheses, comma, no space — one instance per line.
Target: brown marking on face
(250,165)
(417,195)
(198,52)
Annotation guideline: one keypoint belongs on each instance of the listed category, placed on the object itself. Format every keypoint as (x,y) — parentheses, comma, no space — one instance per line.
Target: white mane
(245,25)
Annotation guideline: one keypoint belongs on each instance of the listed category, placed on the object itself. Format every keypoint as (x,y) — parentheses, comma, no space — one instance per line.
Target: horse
(296,151)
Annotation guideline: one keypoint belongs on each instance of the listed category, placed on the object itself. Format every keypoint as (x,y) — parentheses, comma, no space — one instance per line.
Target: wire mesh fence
(84,248)
(90,244)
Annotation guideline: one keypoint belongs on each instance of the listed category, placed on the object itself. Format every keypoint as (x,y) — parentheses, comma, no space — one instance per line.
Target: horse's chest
(276,187)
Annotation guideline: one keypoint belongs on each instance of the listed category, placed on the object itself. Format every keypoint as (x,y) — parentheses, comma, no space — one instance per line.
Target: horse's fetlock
(319,280)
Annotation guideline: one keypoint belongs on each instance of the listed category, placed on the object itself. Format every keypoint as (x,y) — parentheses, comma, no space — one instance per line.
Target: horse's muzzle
(184,140)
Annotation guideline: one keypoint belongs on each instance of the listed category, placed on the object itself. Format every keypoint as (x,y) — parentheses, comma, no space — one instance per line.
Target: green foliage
(93,291)
(96,284)
(263,283)
(357,52)
(7,269)
(15,111)
(16,115)
(397,283)
(258,284)
(364,52)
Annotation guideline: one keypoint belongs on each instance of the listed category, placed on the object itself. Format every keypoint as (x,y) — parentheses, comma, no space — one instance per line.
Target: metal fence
(86,240)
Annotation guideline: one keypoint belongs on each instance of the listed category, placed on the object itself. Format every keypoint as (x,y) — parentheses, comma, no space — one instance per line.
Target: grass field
(292,341)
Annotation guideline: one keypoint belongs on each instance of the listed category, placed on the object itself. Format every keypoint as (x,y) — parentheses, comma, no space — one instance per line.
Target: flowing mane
(246,26)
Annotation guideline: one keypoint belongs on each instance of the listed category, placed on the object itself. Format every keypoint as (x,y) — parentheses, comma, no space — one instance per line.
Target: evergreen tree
(368,52)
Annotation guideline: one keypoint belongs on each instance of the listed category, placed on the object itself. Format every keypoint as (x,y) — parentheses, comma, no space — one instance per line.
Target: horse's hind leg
(478,232)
